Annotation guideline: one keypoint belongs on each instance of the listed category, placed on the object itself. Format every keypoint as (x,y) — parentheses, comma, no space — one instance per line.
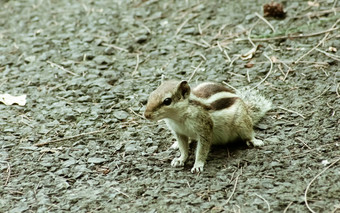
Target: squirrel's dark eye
(167,101)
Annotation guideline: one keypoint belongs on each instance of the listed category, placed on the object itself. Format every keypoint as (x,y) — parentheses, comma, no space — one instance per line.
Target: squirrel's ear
(183,89)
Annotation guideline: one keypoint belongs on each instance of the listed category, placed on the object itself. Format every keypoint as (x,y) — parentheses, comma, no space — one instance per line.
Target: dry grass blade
(126,195)
(319,13)
(268,205)
(286,209)
(135,113)
(193,42)
(184,23)
(288,110)
(265,21)
(115,47)
(320,42)
(137,64)
(8,172)
(289,36)
(335,57)
(270,70)
(230,86)
(319,95)
(224,51)
(310,150)
(193,73)
(310,183)
(62,68)
(236,179)
(68,138)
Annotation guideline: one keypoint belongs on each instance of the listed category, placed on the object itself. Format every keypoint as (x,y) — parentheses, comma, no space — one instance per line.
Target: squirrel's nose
(147,114)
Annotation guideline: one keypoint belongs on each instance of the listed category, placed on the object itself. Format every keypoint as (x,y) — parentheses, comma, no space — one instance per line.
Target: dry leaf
(332,49)
(10,99)
(274,59)
(313,4)
(250,54)
(248,65)
(274,9)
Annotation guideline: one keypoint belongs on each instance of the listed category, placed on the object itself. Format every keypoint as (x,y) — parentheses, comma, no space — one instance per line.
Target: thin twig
(270,70)
(232,175)
(204,58)
(188,184)
(236,179)
(310,183)
(193,73)
(318,13)
(335,57)
(289,69)
(182,25)
(137,64)
(69,138)
(205,42)
(233,60)
(288,36)
(219,46)
(319,95)
(303,143)
(248,77)
(115,47)
(136,113)
(289,62)
(320,42)
(199,29)
(286,209)
(224,51)
(148,29)
(288,110)
(122,193)
(193,42)
(229,86)
(265,21)
(62,68)
(336,208)
(264,201)
(227,55)
(310,150)
(8,173)
(249,33)
(220,31)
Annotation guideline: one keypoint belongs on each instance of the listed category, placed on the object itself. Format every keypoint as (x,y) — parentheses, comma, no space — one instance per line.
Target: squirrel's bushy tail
(258,105)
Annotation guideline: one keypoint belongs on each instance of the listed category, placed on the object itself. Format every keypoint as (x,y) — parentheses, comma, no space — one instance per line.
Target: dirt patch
(88,67)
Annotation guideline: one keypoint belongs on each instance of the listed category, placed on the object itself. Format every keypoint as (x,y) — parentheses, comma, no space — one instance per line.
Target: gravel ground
(80,144)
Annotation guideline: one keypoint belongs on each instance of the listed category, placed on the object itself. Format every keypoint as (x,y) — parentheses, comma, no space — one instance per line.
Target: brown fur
(219,104)
(210,89)
(223,103)
(197,103)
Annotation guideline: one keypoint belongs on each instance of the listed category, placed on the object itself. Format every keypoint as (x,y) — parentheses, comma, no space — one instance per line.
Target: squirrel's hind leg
(247,134)
(255,142)
(245,131)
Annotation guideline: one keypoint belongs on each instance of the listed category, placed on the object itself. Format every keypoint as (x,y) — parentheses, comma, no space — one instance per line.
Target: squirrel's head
(167,100)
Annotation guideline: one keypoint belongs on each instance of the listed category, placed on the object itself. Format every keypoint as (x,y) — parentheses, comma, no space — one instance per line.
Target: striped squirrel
(209,113)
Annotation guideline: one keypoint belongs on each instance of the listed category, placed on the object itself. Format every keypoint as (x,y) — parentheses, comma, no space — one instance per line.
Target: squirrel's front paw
(198,167)
(177,162)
